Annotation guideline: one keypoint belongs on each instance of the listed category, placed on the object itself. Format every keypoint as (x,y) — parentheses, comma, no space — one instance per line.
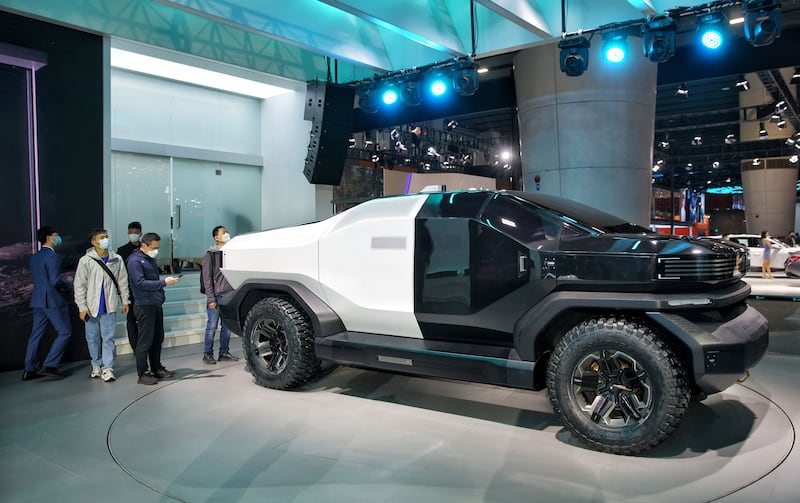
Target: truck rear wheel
(617,386)
(278,343)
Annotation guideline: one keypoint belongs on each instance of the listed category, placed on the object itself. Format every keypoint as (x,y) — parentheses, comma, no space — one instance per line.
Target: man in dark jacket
(133,244)
(48,305)
(148,290)
(215,284)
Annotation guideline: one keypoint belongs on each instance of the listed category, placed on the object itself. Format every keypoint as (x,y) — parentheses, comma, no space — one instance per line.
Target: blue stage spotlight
(389,96)
(614,47)
(709,26)
(658,39)
(438,85)
(762,21)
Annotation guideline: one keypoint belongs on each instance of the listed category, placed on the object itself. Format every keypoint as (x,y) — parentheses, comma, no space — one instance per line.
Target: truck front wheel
(617,386)
(278,343)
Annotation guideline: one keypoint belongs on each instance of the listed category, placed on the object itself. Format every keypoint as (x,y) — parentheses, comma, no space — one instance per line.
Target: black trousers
(133,332)
(150,323)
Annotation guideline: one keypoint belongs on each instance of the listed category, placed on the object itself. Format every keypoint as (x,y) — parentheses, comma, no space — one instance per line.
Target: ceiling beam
(521,14)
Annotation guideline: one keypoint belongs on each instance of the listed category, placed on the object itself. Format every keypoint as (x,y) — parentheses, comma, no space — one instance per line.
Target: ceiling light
(389,96)
(658,39)
(438,87)
(664,143)
(774,118)
(730,139)
(465,79)
(682,90)
(574,55)
(793,159)
(780,106)
(743,84)
(762,21)
(697,140)
(708,182)
(736,20)
(796,76)
(184,73)
(656,168)
(762,131)
(710,29)
(614,46)
(410,93)
(756,162)
(715,164)
(483,70)
(781,124)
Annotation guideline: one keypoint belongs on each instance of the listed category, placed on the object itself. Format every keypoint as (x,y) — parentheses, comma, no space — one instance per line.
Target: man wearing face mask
(215,284)
(148,290)
(101,280)
(48,306)
(134,234)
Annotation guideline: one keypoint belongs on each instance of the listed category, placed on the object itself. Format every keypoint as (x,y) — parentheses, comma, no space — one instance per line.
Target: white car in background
(781,252)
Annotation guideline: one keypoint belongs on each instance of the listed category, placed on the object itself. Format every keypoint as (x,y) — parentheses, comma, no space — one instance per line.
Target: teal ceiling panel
(426,22)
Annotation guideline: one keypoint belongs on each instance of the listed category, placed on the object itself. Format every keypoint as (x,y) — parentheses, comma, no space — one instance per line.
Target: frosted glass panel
(141,191)
(208,194)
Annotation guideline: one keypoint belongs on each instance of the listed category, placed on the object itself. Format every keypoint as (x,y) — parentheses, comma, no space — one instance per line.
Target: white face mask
(134,238)
(152,253)
(103,243)
(225,238)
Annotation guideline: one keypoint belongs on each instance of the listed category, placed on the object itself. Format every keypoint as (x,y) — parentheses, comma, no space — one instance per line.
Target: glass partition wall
(183,200)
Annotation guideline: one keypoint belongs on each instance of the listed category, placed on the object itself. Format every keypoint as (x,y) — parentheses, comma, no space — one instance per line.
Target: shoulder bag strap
(110,274)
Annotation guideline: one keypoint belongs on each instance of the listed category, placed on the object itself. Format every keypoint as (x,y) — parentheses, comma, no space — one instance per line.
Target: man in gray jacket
(101,282)
(214,285)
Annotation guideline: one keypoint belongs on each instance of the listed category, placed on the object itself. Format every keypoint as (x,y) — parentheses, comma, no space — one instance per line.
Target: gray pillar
(769,195)
(588,138)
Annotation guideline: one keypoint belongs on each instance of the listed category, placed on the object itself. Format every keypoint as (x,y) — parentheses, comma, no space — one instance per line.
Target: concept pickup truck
(621,325)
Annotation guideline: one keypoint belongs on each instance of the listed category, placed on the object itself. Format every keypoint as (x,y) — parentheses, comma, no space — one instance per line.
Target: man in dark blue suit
(48,305)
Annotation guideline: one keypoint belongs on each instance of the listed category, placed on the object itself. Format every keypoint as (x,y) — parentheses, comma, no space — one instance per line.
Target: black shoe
(163,373)
(147,379)
(29,375)
(53,373)
(209,358)
(227,357)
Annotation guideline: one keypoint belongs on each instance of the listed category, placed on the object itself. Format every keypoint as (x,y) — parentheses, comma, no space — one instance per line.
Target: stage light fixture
(366,100)
(730,139)
(410,93)
(614,46)
(743,84)
(658,39)
(781,124)
(574,55)
(389,96)
(762,21)
(794,158)
(465,79)
(774,117)
(683,90)
(756,162)
(710,26)
(715,164)
(762,131)
(796,76)
(438,85)
(780,106)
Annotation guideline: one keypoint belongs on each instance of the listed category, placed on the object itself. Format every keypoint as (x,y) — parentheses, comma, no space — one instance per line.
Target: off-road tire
(278,342)
(625,363)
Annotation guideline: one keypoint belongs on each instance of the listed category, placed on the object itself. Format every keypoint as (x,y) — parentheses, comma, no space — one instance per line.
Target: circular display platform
(358,435)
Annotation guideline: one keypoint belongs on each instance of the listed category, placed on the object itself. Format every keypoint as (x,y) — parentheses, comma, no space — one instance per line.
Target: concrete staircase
(184,316)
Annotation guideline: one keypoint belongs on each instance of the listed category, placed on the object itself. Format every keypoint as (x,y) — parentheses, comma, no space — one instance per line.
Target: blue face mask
(58,241)
(103,243)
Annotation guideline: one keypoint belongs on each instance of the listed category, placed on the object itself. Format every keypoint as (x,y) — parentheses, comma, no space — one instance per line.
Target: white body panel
(289,253)
(367,266)
(780,250)
(360,262)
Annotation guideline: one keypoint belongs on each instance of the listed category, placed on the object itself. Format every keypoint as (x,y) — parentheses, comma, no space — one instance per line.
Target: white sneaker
(108,375)
(95,371)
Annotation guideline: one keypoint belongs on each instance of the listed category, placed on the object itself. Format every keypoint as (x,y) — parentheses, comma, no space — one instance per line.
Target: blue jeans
(100,339)
(211,328)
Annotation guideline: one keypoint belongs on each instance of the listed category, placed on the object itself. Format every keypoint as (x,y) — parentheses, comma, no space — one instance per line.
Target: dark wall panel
(70,125)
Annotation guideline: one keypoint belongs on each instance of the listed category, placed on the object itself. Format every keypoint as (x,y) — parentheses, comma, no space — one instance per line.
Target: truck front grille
(703,267)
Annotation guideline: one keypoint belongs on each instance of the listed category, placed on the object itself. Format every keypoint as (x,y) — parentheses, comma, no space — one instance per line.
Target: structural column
(588,138)
(770,195)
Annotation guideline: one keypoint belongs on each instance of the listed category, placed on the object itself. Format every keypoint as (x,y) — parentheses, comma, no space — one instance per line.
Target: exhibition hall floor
(210,434)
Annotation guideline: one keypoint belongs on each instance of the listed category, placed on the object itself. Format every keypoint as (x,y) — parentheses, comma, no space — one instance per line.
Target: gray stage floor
(210,434)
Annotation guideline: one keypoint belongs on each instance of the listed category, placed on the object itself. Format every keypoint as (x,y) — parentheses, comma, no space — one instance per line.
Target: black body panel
(466,362)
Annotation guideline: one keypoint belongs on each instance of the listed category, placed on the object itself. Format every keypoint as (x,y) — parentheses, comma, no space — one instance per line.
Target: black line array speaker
(329,107)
